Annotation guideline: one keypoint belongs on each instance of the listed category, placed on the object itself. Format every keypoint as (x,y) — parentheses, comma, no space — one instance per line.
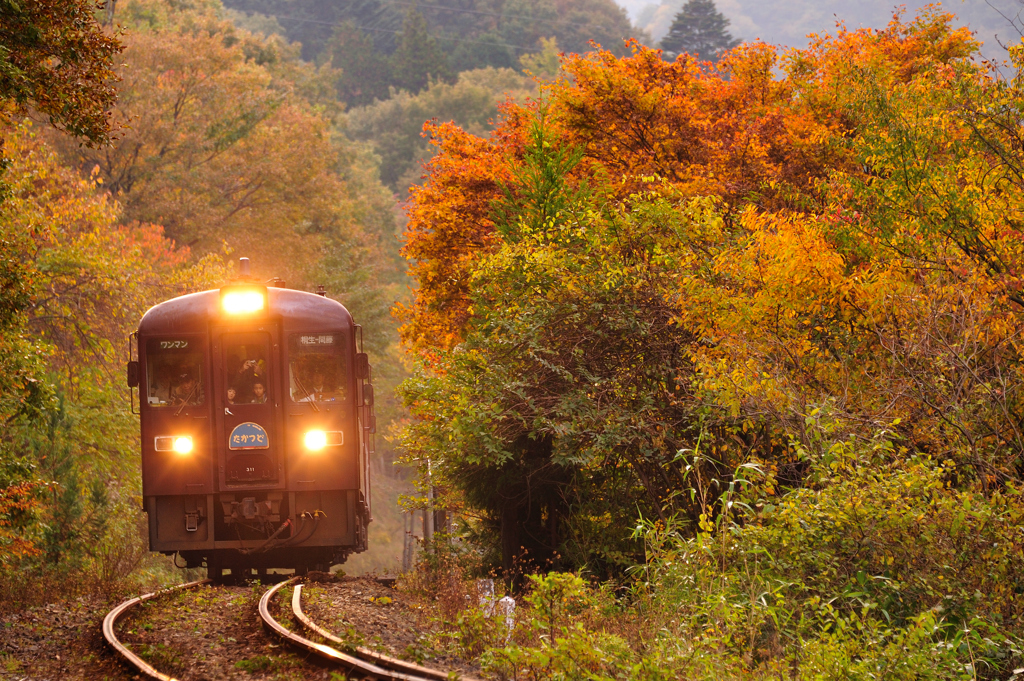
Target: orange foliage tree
(228,142)
(661,271)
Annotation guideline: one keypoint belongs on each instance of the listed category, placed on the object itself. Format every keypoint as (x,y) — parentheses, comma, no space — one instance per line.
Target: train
(255,406)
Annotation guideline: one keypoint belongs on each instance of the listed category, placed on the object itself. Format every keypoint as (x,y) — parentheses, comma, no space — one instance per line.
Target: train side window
(174,372)
(247,378)
(316,368)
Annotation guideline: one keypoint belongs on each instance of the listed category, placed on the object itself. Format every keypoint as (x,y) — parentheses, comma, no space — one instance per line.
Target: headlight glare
(183,444)
(316,440)
(243,301)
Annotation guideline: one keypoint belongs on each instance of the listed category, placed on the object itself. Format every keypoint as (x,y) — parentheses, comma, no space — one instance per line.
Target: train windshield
(248,376)
(174,372)
(316,368)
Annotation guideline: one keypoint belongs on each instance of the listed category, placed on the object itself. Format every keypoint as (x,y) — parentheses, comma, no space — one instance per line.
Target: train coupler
(193,514)
(250,509)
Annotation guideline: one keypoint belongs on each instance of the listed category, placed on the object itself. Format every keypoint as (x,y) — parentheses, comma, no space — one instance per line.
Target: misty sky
(787,22)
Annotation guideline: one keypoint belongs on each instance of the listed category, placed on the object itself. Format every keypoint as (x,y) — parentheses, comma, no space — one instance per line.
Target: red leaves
(17,504)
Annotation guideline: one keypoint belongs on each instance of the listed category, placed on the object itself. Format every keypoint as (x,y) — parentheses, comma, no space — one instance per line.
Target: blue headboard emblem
(248,436)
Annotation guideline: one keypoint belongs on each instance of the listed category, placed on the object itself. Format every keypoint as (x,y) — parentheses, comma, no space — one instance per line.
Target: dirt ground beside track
(364,612)
(214,632)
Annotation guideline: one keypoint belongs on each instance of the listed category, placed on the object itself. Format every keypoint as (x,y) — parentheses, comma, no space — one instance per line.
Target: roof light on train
(243,300)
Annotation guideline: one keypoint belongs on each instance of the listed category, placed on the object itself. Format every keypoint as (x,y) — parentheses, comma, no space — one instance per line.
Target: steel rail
(326,652)
(110,621)
(365,653)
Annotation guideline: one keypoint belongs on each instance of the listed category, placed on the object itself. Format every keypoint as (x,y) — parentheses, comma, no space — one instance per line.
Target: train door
(250,451)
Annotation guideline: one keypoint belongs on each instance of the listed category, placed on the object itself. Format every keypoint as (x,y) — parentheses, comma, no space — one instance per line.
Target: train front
(256,418)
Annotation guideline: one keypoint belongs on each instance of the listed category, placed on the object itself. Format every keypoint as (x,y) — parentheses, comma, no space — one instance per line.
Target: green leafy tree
(394,127)
(544,64)
(418,59)
(562,411)
(365,72)
(699,29)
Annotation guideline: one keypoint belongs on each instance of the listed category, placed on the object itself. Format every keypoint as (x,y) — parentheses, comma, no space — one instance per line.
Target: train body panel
(255,428)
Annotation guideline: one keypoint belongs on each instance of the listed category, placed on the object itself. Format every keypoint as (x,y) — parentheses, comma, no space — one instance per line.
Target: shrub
(880,568)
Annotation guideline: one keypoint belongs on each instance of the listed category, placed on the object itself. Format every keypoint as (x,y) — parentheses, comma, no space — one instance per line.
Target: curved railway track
(110,633)
(364,662)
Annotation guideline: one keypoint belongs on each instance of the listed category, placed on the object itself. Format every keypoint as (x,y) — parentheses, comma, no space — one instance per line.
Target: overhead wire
(500,15)
(445,8)
(391,30)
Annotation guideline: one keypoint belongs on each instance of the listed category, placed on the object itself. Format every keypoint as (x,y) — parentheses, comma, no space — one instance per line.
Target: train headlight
(179,444)
(316,440)
(244,301)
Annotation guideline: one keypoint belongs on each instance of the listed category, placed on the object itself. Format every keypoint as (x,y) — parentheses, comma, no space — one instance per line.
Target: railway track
(363,662)
(110,631)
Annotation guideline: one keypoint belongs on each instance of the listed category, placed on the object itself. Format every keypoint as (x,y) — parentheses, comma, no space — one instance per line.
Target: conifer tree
(698,29)
(365,72)
(418,59)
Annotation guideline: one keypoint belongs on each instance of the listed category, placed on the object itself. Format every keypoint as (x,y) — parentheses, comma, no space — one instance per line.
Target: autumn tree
(230,146)
(68,449)
(861,300)
(55,57)
(699,29)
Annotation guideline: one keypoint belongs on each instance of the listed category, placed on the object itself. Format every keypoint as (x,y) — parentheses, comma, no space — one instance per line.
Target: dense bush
(871,571)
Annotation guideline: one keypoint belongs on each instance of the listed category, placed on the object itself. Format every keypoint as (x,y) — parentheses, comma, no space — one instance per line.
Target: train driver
(318,387)
(188,391)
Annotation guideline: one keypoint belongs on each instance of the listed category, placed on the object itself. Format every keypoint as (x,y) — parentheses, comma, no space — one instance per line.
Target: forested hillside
(396,65)
(394,127)
(468,34)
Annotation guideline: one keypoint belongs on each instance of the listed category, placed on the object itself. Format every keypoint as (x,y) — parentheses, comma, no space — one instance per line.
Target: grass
(160,656)
(9,664)
(260,663)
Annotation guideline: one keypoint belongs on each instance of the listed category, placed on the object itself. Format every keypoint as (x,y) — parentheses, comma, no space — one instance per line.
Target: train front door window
(316,368)
(248,409)
(174,372)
